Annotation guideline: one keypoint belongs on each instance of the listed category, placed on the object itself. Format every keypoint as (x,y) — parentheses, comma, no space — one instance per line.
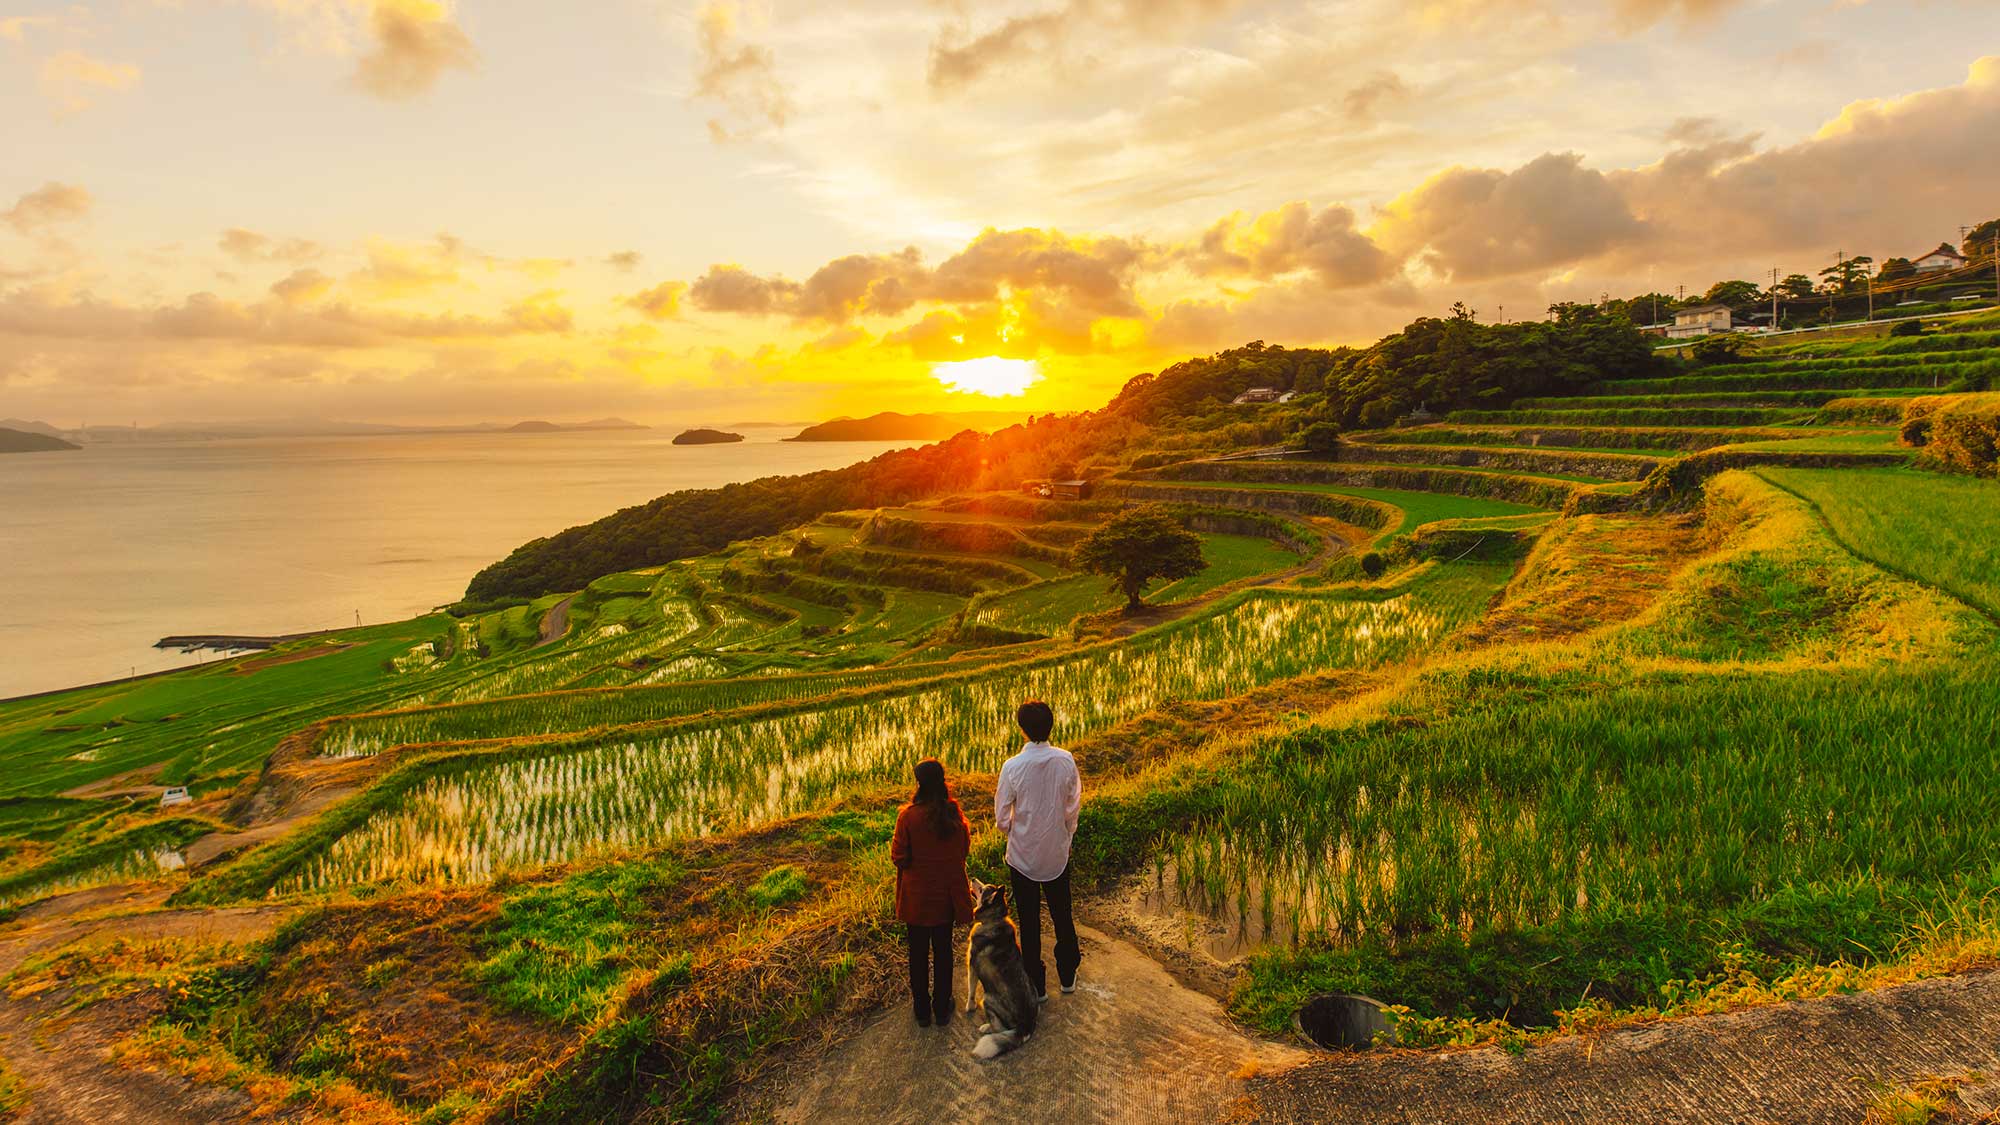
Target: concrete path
(1804,1063)
(1130,1045)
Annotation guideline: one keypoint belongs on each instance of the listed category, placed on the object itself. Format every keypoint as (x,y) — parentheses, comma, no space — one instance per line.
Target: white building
(1941,259)
(1702,320)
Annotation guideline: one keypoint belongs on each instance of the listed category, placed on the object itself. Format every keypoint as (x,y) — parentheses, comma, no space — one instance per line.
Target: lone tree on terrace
(1138,545)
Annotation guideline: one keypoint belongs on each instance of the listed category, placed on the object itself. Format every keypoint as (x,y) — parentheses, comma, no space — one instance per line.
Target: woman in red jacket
(931,889)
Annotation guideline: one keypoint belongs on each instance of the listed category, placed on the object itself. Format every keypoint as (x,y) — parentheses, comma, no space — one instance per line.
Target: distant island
(539,427)
(705,437)
(891,426)
(17,441)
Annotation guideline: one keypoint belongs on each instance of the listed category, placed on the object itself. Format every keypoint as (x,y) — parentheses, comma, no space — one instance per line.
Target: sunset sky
(400,210)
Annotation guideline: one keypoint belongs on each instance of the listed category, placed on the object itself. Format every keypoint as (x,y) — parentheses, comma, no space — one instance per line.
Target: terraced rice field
(621,791)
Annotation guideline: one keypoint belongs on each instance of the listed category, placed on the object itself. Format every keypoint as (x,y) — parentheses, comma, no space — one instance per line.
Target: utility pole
(1774,298)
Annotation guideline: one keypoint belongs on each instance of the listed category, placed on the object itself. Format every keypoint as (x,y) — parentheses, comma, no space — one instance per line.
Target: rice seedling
(631,790)
(1626,804)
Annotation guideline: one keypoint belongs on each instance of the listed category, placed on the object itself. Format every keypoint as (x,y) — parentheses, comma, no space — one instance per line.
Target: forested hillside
(1441,364)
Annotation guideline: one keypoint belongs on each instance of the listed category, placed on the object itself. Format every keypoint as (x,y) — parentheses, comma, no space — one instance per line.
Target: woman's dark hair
(946,820)
(1036,719)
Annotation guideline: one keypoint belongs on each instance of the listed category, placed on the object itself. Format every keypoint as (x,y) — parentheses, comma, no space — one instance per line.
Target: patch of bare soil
(1804,1063)
(142,781)
(391,982)
(251,665)
(1130,1045)
(62,1055)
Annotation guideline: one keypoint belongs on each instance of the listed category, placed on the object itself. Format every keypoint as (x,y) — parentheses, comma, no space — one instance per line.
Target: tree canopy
(1137,546)
(1735,294)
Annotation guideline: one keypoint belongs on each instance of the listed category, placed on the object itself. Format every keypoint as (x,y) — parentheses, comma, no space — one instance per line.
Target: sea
(106,549)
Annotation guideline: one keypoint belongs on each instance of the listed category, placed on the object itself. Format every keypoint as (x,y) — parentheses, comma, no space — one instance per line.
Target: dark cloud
(411,44)
(624,260)
(1091,276)
(1930,153)
(1291,239)
(733,289)
(884,284)
(1471,224)
(1095,275)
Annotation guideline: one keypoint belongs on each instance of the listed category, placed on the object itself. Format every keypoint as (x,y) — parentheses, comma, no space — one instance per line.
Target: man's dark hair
(1036,720)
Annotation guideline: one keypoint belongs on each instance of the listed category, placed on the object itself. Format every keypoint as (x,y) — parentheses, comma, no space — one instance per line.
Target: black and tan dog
(994,967)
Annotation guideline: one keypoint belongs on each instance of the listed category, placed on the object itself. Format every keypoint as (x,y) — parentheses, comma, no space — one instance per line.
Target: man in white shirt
(1035,804)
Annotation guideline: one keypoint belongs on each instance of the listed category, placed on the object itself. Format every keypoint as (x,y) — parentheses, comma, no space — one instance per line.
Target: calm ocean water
(105,550)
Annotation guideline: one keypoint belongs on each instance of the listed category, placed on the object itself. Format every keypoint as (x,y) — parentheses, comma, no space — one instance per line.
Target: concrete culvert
(1343,1020)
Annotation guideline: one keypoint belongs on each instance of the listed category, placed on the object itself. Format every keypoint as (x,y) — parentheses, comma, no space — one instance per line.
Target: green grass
(777,887)
(1843,441)
(558,949)
(1940,530)
(228,714)
(1585,415)
(1418,508)
(1541,841)
(1230,557)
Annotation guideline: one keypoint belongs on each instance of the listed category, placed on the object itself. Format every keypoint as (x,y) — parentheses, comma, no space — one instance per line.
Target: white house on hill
(1941,259)
(1702,320)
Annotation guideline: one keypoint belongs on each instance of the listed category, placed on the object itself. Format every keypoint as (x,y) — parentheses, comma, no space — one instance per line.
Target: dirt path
(63,1057)
(1805,1063)
(1130,1045)
(31,937)
(555,622)
(62,1054)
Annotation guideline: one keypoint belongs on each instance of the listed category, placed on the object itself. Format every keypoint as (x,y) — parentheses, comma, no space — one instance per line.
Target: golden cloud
(250,246)
(1290,239)
(411,44)
(661,302)
(740,77)
(73,79)
(51,203)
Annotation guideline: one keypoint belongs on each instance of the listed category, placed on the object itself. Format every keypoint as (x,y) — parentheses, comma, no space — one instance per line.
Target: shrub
(1907,328)
(1372,564)
(1322,438)
(1965,436)
(1711,350)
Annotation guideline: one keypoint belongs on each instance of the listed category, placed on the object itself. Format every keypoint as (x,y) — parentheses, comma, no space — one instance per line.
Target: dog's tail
(997,1043)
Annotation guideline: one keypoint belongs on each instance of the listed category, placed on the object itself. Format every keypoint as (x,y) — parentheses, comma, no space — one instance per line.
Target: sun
(988,375)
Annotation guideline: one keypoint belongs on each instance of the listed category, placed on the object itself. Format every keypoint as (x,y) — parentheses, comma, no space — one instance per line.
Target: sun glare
(988,375)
